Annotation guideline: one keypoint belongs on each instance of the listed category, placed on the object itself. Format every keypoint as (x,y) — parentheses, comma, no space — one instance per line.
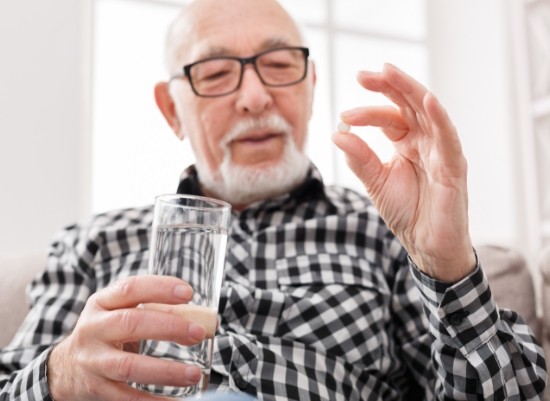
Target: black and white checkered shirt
(319,302)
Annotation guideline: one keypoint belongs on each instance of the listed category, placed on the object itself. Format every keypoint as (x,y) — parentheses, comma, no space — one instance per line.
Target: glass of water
(188,241)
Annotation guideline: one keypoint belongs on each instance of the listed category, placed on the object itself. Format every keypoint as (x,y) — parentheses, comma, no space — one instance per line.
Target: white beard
(242,185)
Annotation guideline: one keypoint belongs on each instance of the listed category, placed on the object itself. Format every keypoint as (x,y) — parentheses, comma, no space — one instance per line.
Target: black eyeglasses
(219,76)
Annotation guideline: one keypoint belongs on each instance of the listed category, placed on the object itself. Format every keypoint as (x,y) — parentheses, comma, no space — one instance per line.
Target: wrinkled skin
(422,192)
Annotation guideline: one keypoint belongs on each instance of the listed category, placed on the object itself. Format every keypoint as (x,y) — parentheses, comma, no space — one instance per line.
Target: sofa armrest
(511,282)
(16,271)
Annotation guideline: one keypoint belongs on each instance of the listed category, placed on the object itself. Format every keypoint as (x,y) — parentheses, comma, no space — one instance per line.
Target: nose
(253,97)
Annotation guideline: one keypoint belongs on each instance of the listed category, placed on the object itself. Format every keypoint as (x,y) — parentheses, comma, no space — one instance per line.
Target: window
(135,155)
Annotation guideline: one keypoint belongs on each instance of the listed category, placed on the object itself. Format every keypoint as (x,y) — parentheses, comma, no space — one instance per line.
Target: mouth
(258,137)
(257,148)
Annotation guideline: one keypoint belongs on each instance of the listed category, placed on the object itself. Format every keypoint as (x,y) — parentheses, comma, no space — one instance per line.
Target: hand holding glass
(188,241)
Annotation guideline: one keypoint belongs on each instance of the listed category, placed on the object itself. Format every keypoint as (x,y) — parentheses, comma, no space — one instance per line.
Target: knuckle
(130,321)
(175,324)
(176,332)
(126,287)
(124,368)
(93,302)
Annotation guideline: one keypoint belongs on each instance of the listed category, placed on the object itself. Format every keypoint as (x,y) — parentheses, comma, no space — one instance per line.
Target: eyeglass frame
(243,62)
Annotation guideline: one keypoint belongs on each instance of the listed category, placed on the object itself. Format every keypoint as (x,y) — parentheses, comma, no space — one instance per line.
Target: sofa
(16,271)
(510,278)
(544,269)
(512,283)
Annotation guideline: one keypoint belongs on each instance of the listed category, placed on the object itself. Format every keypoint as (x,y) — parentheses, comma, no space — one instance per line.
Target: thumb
(362,160)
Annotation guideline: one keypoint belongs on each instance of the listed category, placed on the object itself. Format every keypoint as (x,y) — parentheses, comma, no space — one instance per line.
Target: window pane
(135,155)
(542,138)
(405,18)
(538,30)
(320,147)
(354,53)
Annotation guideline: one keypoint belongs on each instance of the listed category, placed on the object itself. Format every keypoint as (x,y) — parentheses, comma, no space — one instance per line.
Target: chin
(245,184)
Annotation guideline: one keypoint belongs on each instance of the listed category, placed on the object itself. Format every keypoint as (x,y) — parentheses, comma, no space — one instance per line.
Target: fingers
(115,307)
(135,368)
(385,117)
(412,91)
(134,324)
(136,290)
(361,159)
(77,370)
(120,392)
(204,316)
(443,127)
(377,82)
(396,85)
(401,89)
(110,319)
(102,389)
(418,110)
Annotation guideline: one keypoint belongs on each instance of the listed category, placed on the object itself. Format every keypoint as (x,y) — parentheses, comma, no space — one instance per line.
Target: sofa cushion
(16,271)
(544,268)
(511,282)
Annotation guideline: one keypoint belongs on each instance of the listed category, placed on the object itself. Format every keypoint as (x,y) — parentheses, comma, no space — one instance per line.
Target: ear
(313,73)
(167,107)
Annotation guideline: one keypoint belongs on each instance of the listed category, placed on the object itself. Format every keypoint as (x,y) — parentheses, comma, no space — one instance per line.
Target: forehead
(236,27)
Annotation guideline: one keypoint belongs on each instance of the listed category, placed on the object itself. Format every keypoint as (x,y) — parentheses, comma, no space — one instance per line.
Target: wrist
(449,269)
(54,374)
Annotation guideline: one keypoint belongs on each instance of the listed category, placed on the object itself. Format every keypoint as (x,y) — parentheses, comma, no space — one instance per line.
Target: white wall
(472,74)
(43,170)
(40,117)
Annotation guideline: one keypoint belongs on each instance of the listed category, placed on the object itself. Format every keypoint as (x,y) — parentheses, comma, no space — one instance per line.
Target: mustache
(273,122)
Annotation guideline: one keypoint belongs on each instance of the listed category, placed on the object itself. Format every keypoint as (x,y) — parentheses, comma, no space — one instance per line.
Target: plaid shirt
(319,302)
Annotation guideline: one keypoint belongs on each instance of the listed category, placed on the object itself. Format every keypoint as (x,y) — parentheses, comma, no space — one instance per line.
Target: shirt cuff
(462,315)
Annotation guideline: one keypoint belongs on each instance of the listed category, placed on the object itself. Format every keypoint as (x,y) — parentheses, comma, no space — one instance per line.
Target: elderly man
(320,301)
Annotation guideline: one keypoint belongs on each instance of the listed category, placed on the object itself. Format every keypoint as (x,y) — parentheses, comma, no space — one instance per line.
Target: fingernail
(196,332)
(348,113)
(364,72)
(392,67)
(183,291)
(345,114)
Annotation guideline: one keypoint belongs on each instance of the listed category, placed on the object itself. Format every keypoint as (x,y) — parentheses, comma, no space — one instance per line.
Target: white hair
(176,37)
(242,185)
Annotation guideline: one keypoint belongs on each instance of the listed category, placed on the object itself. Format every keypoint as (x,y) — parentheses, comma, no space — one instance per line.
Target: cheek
(297,110)
(205,135)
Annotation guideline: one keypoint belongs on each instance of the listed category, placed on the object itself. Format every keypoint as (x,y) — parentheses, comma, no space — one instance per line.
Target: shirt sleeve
(57,297)
(28,383)
(479,352)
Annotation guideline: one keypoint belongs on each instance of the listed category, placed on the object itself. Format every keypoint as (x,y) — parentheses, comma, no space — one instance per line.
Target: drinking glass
(188,241)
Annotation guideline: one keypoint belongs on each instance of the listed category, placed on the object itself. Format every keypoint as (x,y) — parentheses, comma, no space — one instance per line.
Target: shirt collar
(312,187)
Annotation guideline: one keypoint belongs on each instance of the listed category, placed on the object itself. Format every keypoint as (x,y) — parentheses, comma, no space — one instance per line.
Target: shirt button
(457,318)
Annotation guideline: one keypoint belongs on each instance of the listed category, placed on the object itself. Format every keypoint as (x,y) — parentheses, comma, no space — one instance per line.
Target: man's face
(240,28)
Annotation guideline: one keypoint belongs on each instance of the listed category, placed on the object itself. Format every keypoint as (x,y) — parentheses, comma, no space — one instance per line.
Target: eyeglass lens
(278,67)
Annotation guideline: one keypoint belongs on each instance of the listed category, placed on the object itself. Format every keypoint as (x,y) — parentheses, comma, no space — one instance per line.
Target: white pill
(343,127)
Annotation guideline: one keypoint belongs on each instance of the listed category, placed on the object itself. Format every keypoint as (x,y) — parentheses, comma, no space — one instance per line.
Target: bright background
(80,132)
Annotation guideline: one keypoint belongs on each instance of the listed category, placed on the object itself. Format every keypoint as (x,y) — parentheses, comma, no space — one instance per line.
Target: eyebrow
(219,51)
